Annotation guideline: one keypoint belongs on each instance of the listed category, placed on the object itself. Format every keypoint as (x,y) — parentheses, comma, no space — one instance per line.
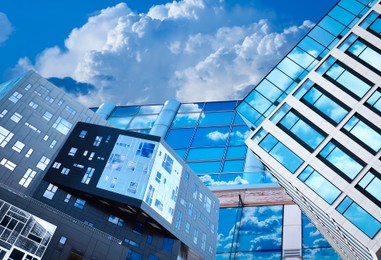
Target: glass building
(317,127)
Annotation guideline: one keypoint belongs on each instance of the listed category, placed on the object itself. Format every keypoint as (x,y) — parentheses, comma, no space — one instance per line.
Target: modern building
(316,121)
(73,187)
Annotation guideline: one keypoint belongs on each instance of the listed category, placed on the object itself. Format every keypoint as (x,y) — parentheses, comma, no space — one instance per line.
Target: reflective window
(314,244)
(211,136)
(298,127)
(362,51)
(370,184)
(120,122)
(319,184)
(233,166)
(216,118)
(5,136)
(188,119)
(364,132)
(155,109)
(238,135)
(50,191)
(62,125)
(321,102)
(210,106)
(192,107)
(139,122)
(15,97)
(205,154)
(123,111)
(359,217)
(179,138)
(278,150)
(250,232)
(346,164)
(205,167)
(372,23)
(374,102)
(236,152)
(345,78)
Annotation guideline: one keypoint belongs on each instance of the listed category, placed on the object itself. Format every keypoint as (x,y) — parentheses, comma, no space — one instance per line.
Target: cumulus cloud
(6,27)
(189,50)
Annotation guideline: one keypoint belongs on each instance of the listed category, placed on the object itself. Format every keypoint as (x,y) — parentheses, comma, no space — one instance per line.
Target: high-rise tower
(316,121)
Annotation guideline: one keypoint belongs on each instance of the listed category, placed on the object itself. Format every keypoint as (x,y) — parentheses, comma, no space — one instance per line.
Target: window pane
(205,167)
(216,118)
(139,122)
(189,119)
(205,153)
(179,138)
(238,135)
(211,136)
(120,122)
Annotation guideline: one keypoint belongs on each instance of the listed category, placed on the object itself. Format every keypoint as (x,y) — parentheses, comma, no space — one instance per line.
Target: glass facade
(264,98)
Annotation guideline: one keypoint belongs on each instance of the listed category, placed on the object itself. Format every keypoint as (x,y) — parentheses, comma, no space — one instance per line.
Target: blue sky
(149,51)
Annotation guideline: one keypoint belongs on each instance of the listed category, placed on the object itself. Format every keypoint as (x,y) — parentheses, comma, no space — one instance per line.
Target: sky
(149,51)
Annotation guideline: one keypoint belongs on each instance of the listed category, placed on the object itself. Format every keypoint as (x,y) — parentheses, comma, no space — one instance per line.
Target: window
(65,171)
(149,239)
(187,227)
(359,217)
(203,241)
(362,51)
(50,191)
(343,77)
(46,137)
(158,177)
(56,165)
(97,141)
(70,110)
(372,23)
(27,87)
(8,164)
(5,136)
(79,203)
(364,132)
(178,220)
(374,102)
(319,184)
(53,143)
(167,244)
(82,134)
(3,113)
(63,126)
(195,237)
(27,178)
(277,150)
(15,97)
(67,198)
(195,191)
(321,102)
(16,117)
(49,99)
(370,185)
(18,146)
(29,153)
(47,116)
(298,127)
(346,164)
(88,174)
(32,127)
(33,105)
(72,151)
(115,220)
(167,163)
(145,149)
(43,163)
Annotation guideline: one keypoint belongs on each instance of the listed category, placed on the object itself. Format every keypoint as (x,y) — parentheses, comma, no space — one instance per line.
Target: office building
(73,187)
(317,127)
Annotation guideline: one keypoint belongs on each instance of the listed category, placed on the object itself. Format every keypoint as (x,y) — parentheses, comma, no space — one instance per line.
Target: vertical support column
(105,110)
(165,118)
(292,233)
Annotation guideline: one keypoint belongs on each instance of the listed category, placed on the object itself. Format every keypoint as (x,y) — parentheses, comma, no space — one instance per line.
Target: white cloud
(189,50)
(217,136)
(6,27)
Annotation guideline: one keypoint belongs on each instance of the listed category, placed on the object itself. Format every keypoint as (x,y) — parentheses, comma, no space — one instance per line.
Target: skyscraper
(317,127)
